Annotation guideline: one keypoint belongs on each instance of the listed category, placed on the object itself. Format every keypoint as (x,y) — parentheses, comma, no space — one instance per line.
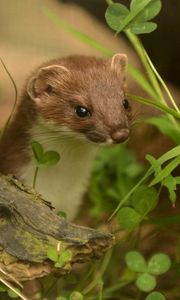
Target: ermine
(71,105)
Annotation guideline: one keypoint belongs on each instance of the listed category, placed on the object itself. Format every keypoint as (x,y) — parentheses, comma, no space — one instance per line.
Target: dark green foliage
(115,172)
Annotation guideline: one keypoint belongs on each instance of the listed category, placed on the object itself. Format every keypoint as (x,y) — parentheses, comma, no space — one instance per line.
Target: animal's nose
(120,135)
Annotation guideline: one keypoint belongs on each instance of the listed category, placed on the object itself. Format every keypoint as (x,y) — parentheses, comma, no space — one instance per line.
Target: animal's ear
(119,64)
(46,78)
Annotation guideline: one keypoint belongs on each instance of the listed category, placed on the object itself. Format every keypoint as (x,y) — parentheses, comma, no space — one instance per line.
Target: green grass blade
(157,105)
(76,33)
(142,81)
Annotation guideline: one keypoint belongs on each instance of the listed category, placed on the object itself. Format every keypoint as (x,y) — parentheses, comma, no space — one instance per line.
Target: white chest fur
(62,184)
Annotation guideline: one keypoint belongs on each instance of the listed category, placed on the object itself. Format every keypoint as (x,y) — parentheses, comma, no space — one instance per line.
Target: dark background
(163,45)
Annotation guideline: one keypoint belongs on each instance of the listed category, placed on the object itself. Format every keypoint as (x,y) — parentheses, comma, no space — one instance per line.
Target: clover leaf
(135,261)
(159,264)
(146,282)
(119,17)
(155,296)
(44,159)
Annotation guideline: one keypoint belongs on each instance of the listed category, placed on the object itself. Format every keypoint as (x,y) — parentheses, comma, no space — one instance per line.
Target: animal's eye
(82,112)
(125,103)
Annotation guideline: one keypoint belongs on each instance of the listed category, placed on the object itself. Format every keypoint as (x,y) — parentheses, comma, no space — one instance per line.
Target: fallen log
(29,226)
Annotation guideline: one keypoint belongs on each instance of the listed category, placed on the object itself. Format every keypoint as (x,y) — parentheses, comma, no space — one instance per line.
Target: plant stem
(100,291)
(162,82)
(99,274)
(140,51)
(152,73)
(148,173)
(35,177)
(116,287)
(16,96)
(86,277)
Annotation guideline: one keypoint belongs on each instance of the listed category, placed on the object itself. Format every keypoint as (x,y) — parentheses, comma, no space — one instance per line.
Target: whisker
(54,137)
(54,132)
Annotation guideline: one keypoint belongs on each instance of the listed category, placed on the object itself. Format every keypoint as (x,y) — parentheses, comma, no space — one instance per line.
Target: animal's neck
(62,184)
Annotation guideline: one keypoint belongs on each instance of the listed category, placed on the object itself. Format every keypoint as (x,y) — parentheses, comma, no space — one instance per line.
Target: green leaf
(64,258)
(159,264)
(154,163)
(155,296)
(115,15)
(169,155)
(44,159)
(144,199)
(61,298)
(149,12)
(166,171)
(146,282)
(37,150)
(170,183)
(52,254)
(135,261)
(128,218)
(49,158)
(76,296)
(12,294)
(140,28)
(166,127)
(177,178)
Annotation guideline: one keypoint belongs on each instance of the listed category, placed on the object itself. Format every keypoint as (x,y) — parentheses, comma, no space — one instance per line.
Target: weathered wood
(28,227)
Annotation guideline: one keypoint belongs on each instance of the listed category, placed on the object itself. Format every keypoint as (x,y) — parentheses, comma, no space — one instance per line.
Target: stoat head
(85,95)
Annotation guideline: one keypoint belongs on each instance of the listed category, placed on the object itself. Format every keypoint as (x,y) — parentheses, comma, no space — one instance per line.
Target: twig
(11,277)
(13,289)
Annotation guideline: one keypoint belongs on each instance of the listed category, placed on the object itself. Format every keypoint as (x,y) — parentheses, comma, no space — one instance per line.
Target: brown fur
(91,82)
